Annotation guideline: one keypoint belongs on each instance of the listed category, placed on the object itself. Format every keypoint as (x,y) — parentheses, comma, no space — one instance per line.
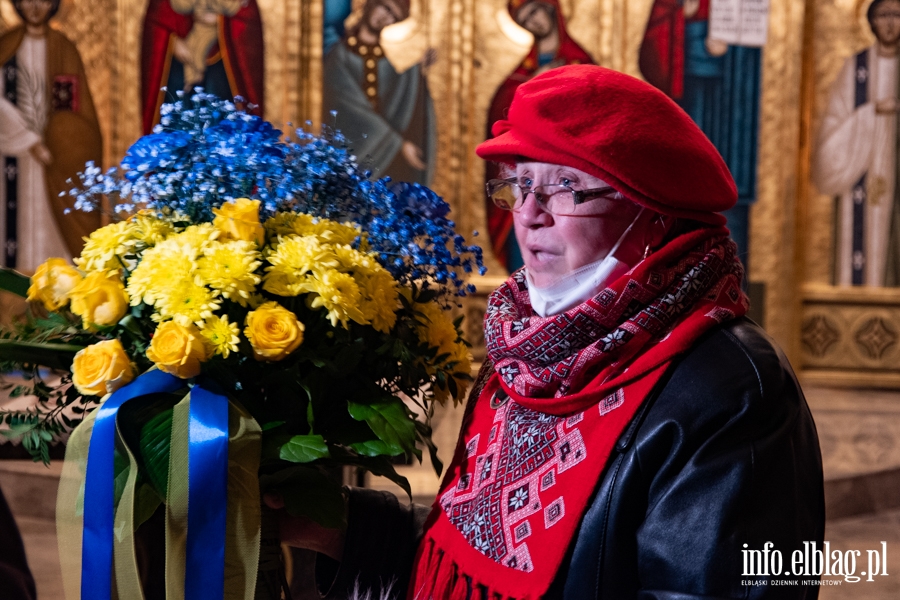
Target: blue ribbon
(97,534)
(204,576)
(207,489)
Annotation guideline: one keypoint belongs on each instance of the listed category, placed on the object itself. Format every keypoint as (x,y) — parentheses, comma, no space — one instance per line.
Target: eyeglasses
(555,198)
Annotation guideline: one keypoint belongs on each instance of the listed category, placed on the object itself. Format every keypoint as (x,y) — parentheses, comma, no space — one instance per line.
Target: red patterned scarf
(539,429)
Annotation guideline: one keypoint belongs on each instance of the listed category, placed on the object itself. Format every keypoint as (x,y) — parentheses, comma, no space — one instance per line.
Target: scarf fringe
(438,577)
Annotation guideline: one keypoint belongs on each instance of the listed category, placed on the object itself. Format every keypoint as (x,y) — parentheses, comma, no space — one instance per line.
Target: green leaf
(272,425)
(132,326)
(309,493)
(389,419)
(426,296)
(20,429)
(379,465)
(304,448)
(376,448)
(423,432)
(120,474)
(155,443)
(310,417)
(14,282)
(55,356)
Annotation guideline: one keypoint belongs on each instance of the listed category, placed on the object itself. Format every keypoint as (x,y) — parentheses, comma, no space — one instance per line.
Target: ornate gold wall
(845,335)
(478,44)
(107,34)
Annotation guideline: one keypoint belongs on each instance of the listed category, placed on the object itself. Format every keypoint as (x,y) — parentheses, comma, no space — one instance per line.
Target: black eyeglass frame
(579,196)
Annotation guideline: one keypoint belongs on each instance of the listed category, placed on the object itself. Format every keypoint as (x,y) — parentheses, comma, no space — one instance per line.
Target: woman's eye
(565,181)
(526,183)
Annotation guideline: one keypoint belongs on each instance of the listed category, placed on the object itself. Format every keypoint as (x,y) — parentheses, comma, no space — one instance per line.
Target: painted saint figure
(856,157)
(214,44)
(717,85)
(48,131)
(552,48)
(388,117)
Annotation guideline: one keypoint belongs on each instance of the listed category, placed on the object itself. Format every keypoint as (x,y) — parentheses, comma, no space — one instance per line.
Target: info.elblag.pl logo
(812,561)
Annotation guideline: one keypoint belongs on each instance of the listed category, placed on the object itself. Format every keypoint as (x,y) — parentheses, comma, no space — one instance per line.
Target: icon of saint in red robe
(717,85)
(214,44)
(552,48)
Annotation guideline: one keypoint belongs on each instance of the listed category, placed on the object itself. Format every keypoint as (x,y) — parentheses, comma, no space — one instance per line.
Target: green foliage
(42,341)
(14,282)
(54,356)
(310,493)
(390,420)
(58,409)
(304,449)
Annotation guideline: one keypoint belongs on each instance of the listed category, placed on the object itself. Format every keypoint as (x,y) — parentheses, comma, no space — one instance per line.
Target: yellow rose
(101,368)
(178,349)
(273,331)
(52,283)
(99,299)
(239,220)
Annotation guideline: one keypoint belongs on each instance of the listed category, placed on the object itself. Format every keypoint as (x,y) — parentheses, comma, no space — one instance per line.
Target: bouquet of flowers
(262,314)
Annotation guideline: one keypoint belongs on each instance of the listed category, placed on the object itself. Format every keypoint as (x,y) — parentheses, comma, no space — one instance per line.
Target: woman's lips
(541,254)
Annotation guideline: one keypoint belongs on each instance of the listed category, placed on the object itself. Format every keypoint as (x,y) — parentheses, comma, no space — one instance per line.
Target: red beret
(622,130)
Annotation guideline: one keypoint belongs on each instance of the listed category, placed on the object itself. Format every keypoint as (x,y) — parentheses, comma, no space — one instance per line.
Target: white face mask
(579,285)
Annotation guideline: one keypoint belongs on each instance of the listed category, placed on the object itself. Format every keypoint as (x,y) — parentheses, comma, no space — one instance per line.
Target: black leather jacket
(724,454)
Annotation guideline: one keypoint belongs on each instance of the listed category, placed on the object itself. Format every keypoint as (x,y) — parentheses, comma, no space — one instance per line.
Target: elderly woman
(631,434)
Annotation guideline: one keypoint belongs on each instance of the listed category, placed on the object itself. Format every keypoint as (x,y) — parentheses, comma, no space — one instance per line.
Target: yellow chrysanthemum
(339,294)
(230,268)
(284,283)
(105,249)
(223,336)
(462,372)
(160,267)
(380,299)
(185,302)
(437,330)
(195,237)
(292,259)
(287,223)
(333,232)
(328,231)
(360,262)
(148,229)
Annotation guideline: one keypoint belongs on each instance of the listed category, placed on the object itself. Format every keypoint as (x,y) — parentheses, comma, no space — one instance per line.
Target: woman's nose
(532,214)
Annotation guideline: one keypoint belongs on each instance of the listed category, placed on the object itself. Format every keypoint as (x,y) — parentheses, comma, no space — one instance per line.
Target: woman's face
(553,246)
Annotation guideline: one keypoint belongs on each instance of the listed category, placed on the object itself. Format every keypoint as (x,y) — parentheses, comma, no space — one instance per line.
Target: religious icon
(48,131)
(387,115)
(856,160)
(213,44)
(553,47)
(716,81)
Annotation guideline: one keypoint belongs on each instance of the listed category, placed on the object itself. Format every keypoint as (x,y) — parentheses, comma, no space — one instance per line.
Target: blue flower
(205,152)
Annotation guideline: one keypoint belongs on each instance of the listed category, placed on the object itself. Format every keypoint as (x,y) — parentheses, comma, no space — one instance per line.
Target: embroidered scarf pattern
(538,434)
